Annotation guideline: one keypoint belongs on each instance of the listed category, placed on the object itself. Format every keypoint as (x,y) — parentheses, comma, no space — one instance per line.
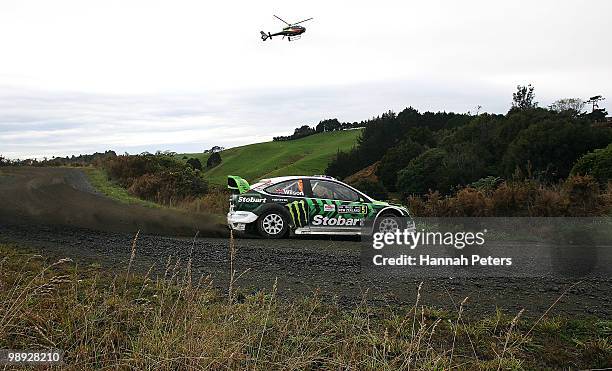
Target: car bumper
(237,220)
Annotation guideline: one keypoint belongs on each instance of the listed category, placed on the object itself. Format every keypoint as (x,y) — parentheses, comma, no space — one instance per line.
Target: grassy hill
(306,156)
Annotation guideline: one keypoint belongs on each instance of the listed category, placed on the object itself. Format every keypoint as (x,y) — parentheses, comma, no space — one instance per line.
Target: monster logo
(297,209)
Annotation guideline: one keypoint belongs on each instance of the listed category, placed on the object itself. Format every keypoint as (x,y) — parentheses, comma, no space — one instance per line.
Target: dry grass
(216,201)
(177,321)
(576,196)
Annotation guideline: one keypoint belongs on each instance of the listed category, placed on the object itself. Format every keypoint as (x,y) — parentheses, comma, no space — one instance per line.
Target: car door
(334,207)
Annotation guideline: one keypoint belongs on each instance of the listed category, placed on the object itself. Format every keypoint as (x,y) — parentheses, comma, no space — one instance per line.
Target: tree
(573,105)
(464,164)
(344,164)
(524,98)
(424,173)
(552,146)
(194,163)
(328,125)
(396,159)
(213,160)
(371,188)
(594,101)
(597,114)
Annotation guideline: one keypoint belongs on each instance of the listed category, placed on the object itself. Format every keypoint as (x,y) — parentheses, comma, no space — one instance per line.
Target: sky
(85,76)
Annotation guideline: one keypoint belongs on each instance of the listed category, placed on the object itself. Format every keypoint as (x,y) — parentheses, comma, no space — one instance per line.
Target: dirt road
(56,211)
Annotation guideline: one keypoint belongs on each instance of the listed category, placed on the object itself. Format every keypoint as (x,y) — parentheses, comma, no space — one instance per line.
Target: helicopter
(292,31)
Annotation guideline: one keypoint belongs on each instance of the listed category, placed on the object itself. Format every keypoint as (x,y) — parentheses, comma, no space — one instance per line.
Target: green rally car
(318,204)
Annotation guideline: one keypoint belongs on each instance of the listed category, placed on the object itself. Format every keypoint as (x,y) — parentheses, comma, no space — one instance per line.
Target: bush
(598,164)
(158,178)
(486,184)
(583,196)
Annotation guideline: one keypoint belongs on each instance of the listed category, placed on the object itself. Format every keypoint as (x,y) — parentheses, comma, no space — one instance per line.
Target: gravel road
(57,212)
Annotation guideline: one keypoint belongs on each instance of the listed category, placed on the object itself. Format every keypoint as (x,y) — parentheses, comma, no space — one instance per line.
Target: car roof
(292,177)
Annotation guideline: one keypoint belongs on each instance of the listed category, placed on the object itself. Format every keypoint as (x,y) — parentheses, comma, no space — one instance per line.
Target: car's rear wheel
(387,223)
(272,224)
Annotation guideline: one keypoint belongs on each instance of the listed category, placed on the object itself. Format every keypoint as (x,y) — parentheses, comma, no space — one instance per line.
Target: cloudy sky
(82,76)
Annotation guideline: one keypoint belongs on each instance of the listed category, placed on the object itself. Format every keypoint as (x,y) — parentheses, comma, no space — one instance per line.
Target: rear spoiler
(236,183)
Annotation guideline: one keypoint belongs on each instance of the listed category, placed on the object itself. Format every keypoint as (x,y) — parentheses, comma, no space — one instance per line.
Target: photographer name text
(427,260)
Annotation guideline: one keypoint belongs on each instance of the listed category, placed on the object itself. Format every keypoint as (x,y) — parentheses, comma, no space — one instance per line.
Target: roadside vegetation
(174,320)
(156,177)
(100,180)
(156,180)
(575,197)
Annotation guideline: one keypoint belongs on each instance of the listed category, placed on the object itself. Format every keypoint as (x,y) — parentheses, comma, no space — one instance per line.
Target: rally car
(277,207)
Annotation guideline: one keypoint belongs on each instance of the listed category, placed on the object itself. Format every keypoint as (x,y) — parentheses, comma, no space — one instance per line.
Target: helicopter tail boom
(265,36)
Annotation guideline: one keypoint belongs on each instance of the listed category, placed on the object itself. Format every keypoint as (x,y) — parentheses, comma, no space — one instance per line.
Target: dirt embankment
(63,196)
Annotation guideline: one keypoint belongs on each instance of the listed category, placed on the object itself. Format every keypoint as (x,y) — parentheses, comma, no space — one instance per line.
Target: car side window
(294,187)
(333,191)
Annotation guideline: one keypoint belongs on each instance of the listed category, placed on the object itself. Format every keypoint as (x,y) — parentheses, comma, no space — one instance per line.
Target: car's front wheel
(272,224)
(387,223)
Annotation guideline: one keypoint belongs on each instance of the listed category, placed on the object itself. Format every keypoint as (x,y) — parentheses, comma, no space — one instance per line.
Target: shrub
(469,202)
(486,184)
(159,178)
(583,197)
(597,164)
(147,186)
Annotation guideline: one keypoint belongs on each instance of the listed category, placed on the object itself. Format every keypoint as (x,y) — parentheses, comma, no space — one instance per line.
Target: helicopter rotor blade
(282,20)
(302,21)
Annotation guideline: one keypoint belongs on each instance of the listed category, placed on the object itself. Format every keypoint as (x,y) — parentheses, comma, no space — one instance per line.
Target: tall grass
(576,196)
(174,320)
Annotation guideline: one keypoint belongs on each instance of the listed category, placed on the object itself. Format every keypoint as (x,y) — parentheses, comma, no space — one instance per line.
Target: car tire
(272,224)
(386,222)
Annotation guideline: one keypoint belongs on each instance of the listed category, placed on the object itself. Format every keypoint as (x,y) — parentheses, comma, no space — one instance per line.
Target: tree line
(321,127)
(418,152)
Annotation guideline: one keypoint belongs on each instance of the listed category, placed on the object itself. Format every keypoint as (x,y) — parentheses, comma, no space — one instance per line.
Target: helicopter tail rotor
(265,36)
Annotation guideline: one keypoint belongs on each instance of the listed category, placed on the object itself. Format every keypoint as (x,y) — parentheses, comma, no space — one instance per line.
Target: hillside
(309,155)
